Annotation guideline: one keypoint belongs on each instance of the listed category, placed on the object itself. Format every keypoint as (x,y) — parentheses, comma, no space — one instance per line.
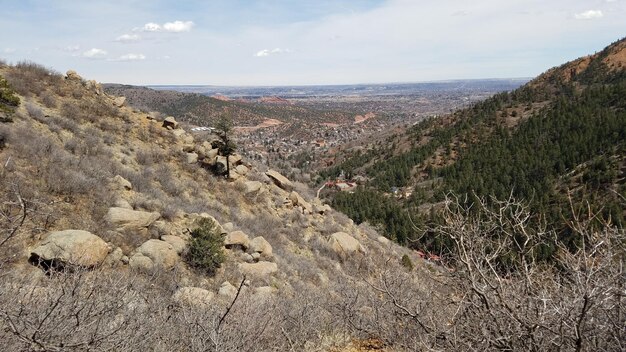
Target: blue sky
(280,42)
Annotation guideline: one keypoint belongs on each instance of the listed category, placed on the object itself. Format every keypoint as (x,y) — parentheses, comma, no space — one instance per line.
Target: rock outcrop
(280,180)
(344,244)
(121,183)
(119,101)
(259,269)
(297,200)
(127,219)
(237,239)
(70,248)
(170,123)
(154,254)
(177,243)
(261,246)
(73,76)
(252,187)
(227,290)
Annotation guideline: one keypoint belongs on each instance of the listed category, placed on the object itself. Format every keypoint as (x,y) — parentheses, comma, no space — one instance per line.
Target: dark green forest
(565,159)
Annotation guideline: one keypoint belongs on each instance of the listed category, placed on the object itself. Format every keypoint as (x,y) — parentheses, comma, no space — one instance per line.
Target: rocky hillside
(91,185)
(118,232)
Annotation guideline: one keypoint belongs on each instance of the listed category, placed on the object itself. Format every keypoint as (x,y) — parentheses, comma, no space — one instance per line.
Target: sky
(300,42)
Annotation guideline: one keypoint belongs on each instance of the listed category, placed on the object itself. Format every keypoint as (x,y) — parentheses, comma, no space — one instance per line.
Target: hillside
(119,232)
(203,110)
(557,140)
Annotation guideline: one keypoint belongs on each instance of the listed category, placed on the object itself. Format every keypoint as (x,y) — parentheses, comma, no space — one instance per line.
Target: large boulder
(128,219)
(192,296)
(70,248)
(73,76)
(261,246)
(241,170)
(280,180)
(211,154)
(237,239)
(159,254)
(177,243)
(227,290)
(297,200)
(252,187)
(235,159)
(192,158)
(170,123)
(94,87)
(259,269)
(121,183)
(119,101)
(344,244)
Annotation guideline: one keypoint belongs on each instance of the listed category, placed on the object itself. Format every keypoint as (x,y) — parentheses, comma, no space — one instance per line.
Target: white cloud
(151,27)
(72,48)
(178,26)
(128,38)
(589,15)
(268,52)
(9,50)
(94,53)
(131,57)
(174,27)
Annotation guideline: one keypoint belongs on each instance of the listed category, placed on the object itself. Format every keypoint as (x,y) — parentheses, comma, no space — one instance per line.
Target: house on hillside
(345,186)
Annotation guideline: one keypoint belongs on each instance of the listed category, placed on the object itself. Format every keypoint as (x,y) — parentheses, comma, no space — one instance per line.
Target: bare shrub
(170,184)
(35,112)
(48,99)
(572,304)
(149,155)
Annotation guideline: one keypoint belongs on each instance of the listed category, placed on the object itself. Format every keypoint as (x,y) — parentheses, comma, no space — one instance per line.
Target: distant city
(389,89)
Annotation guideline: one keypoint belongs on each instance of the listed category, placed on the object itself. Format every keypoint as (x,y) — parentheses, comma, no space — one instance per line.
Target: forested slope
(556,143)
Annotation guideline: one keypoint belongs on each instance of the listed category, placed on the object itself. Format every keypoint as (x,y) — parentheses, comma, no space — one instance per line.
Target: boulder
(177,243)
(192,158)
(343,244)
(219,228)
(94,87)
(227,290)
(119,101)
(252,187)
(160,253)
(248,258)
(235,159)
(383,240)
(192,296)
(297,200)
(128,219)
(179,133)
(121,183)
(70,247)
(170,123)
(122,203)
(73,76)
(237,239)
(211,154)
(319,207)
(140,262)
(228,227)
(259,269)
(280,180)
(188,139)
(241,170)
(114,258)
(261,246)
